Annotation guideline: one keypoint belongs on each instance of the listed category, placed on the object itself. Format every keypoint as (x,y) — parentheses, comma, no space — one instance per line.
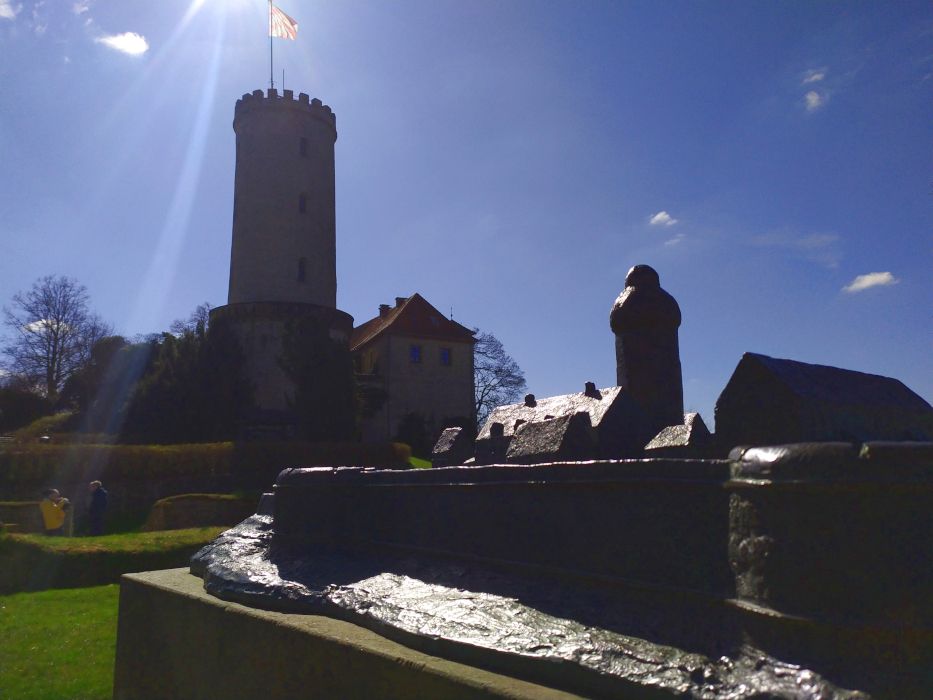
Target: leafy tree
(20,405)
(194,388)
(82,387)
(497,378)
(53,332)
(324,402)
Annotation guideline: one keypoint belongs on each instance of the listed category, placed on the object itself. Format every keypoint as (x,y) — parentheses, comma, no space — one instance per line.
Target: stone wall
(260,328)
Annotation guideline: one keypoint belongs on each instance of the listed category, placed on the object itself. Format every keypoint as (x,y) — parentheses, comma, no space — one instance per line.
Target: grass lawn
(418,463)
(58,644)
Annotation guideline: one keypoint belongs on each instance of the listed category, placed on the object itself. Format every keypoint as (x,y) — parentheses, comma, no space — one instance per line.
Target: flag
(281,25)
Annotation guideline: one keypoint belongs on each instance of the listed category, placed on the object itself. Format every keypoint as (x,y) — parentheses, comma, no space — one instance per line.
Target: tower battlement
(257,99)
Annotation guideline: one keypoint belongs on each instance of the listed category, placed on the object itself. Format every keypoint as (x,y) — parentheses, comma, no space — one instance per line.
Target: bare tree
(497,378)
(199,318)
(52,332)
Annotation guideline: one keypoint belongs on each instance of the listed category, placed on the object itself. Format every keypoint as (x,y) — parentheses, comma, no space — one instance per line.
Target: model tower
(283,266)
(645,320)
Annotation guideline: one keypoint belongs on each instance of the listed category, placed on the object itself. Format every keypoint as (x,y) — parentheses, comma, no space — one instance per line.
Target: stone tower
(283,255)
(284,233)
(645,320)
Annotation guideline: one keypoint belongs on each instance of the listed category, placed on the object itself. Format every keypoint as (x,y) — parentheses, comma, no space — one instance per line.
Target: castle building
(419,362)
(283,272)
(283,256)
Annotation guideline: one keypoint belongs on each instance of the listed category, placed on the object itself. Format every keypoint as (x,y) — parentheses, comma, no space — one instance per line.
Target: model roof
(824,383)
(596,403)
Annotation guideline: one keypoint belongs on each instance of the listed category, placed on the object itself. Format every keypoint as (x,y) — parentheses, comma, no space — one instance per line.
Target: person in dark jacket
(95,512)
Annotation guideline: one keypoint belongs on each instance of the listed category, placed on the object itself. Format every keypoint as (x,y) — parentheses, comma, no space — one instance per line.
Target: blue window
(414,353)
(445,357)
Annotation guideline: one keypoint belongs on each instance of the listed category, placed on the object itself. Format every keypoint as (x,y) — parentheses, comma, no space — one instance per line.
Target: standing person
(54,510)
(95,512)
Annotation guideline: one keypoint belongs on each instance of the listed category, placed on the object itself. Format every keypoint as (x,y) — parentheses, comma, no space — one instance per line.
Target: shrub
(37,562)
(46,425)
(198,510)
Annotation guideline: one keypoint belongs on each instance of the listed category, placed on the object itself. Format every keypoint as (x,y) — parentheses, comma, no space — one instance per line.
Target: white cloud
(127,42)
(814,100)
(872,279)
(8,10)
(813,75)
(675,240)
(662,218)
(80,7)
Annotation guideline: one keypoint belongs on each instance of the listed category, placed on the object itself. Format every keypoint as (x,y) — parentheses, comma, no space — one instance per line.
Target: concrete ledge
(175,640)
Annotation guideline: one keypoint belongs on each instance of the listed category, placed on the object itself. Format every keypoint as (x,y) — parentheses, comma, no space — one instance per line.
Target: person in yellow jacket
(54,510)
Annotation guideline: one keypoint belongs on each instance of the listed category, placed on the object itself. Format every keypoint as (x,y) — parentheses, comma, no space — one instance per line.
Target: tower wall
(284,228)
(260,328)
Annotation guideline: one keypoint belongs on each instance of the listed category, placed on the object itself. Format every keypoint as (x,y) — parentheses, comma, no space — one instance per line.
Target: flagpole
(271,76)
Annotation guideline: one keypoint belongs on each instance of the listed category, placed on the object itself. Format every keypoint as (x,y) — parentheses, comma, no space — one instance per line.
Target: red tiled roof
(413,317)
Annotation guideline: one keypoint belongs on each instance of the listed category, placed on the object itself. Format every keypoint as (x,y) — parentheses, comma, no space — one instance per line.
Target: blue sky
(506,159)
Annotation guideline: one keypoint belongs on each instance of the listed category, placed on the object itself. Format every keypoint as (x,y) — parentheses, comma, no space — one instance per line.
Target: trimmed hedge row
(40,464)
(34,563)
(136,476)
(198,510)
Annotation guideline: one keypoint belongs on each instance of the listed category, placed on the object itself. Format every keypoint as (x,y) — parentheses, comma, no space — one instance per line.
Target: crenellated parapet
(257,99)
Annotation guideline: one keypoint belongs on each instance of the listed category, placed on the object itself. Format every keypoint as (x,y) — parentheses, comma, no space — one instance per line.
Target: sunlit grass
(58,644)
(418,463)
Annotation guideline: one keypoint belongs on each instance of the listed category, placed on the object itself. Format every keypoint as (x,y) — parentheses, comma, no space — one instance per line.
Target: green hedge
(37,562)
(40,464)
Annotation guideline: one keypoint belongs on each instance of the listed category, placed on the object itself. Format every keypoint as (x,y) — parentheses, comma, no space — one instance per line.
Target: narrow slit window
(302,265)
(445,357)
(414,354)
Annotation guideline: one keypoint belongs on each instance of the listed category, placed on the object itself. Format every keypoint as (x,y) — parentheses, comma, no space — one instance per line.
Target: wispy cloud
(814,100)
(8,10)
(39,18)
(80,7)
(128,42)
(872,279)
(814,75)
(820,248)
(679,238)
(662,218)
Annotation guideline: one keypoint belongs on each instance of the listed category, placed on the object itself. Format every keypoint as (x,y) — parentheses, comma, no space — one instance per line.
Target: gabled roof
(414,317)
(833,384)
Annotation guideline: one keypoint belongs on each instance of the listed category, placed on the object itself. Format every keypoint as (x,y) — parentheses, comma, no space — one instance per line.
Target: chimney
(590,389)
(530,400)
(384,310)
(400,300)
